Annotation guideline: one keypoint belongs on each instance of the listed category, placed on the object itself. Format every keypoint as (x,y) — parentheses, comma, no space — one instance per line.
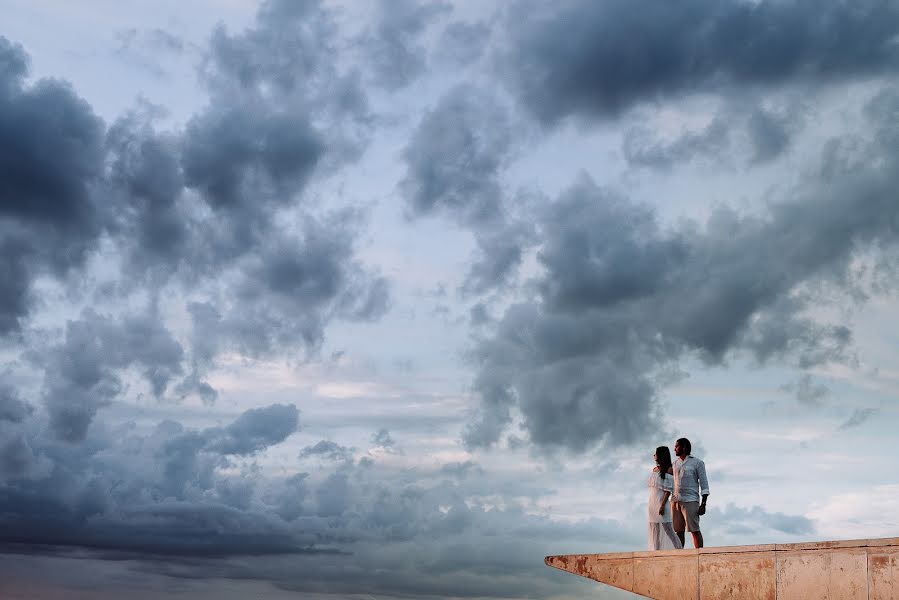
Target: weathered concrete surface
(664,576)
(834,570)
(737,575)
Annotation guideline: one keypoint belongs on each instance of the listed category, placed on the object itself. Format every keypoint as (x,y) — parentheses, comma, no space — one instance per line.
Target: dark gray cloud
(51,189)
(240,155)
(169,500)
(148,48)
(858,417)
(257,56)
(742,130)
(841,155)
(155,492)
(807,391)
(84,372)
(597,59)
(479,315)
(622,300)
(146,180)
(49,219)
(12,407)
(394,47)
(462,469)
(17,457)
(247,162)
(221,203)
(249,155)
(882,108)
(642,146)
(501,250)
(738,521)
(454,162)
(255,430)
(275,89)
(168,529)
(455,157)
(463,43)
(382,439)
(13,64)
(629,258)
(769,133)
(552,367)
(379,572)
(288,62)
(329,450)
(290,288)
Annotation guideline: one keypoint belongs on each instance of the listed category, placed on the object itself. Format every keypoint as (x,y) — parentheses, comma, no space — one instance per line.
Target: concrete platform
(834,570)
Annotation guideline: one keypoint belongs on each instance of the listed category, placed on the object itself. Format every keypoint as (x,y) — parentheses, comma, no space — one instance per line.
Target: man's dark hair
(685,444)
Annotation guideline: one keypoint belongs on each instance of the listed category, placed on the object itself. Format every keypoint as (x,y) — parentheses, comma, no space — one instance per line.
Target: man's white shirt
(690,480)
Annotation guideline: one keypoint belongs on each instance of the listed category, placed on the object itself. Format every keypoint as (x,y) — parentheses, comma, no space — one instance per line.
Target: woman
(661,483)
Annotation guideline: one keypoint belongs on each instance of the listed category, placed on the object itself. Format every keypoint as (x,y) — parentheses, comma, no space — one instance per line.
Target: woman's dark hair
(663,457)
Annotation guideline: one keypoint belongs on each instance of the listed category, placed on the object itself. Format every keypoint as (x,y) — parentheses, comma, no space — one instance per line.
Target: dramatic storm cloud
(455,162)
(81,378)
(455,158)
(600,58)
(157,492)
(393,299)
(394,46)
(50,218)
(631,299)
(12,408)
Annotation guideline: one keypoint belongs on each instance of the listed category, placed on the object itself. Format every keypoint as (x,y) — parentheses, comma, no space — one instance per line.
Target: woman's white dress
(661,532)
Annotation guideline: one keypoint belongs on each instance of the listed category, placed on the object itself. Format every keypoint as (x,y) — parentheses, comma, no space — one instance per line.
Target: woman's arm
(664,501)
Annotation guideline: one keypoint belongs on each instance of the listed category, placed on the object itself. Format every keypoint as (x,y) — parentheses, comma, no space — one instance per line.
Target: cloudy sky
(381,300)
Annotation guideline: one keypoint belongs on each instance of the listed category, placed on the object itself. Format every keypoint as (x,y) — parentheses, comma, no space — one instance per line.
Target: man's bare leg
(697,539)
(678,522)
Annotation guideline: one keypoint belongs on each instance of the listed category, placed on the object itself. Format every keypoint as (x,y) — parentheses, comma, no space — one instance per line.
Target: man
(690,482)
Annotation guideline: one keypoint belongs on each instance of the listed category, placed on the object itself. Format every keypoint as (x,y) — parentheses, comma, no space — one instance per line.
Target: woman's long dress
(661,532)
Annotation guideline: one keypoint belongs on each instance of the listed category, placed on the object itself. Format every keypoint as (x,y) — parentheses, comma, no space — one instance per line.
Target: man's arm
(703,485)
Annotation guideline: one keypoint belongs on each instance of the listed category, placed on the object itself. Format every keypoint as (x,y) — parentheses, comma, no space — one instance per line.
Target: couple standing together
(683,482)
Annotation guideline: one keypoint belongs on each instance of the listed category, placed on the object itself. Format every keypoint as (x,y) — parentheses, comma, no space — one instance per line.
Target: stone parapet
(831,570)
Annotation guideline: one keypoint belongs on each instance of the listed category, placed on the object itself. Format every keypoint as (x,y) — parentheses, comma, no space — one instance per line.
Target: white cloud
(865,513)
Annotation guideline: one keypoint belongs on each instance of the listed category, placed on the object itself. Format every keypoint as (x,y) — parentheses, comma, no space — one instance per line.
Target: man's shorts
(685,513)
